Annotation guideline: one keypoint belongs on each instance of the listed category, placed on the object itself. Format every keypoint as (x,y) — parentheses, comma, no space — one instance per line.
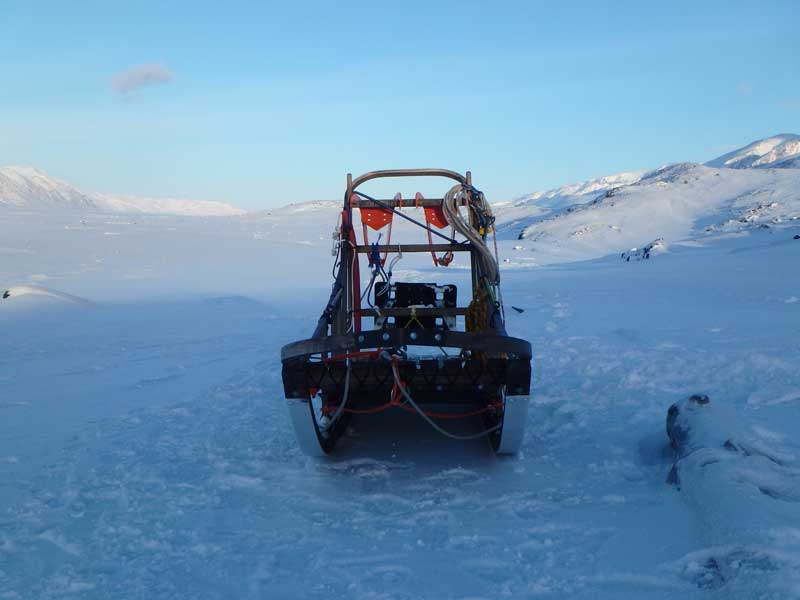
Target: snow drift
(745,495)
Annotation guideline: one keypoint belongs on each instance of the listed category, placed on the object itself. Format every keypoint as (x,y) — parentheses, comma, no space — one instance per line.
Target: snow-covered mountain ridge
(781,151)
(755,186)
(31,189)
(577,193)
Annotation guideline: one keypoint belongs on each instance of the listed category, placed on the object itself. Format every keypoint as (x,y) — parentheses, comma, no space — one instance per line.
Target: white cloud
(140,76)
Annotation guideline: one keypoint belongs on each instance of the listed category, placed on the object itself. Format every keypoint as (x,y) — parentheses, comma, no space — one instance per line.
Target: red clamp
(377,219)
(434,215)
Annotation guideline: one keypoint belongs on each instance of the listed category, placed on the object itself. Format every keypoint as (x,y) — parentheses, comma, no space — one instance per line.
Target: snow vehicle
(354,366)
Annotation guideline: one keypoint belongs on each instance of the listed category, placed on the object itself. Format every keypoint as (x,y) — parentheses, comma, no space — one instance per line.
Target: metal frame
(490,365)
(352,184)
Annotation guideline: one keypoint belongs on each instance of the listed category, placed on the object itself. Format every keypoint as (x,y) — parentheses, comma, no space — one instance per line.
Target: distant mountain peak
(29,188)
(778,151)
(22,169)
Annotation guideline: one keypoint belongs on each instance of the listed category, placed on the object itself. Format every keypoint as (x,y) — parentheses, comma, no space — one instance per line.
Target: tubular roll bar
(352,184)
(347,284)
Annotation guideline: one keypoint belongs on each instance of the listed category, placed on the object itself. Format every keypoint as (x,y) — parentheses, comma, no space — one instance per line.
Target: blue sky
(262,103)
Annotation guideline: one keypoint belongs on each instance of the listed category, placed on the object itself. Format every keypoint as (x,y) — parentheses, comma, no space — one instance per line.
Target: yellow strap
(414,318)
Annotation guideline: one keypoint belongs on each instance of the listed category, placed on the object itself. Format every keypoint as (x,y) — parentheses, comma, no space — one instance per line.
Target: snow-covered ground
(145,451)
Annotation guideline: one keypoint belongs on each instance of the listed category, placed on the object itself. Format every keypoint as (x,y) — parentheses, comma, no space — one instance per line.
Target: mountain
(780,151)
(31,189)
(515,215)
(578,193)
(677,203)
(753,187)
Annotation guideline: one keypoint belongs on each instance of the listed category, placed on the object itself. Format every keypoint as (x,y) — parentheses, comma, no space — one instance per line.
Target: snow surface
(145,451)
(746,475)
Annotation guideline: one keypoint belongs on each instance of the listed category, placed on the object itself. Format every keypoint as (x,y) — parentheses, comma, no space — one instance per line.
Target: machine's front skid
(508,439)
(305,429)
(313,438)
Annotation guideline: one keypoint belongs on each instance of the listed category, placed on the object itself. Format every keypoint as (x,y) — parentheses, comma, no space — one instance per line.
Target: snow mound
(31,189)
(744,492)
(39,291)
(782,151)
